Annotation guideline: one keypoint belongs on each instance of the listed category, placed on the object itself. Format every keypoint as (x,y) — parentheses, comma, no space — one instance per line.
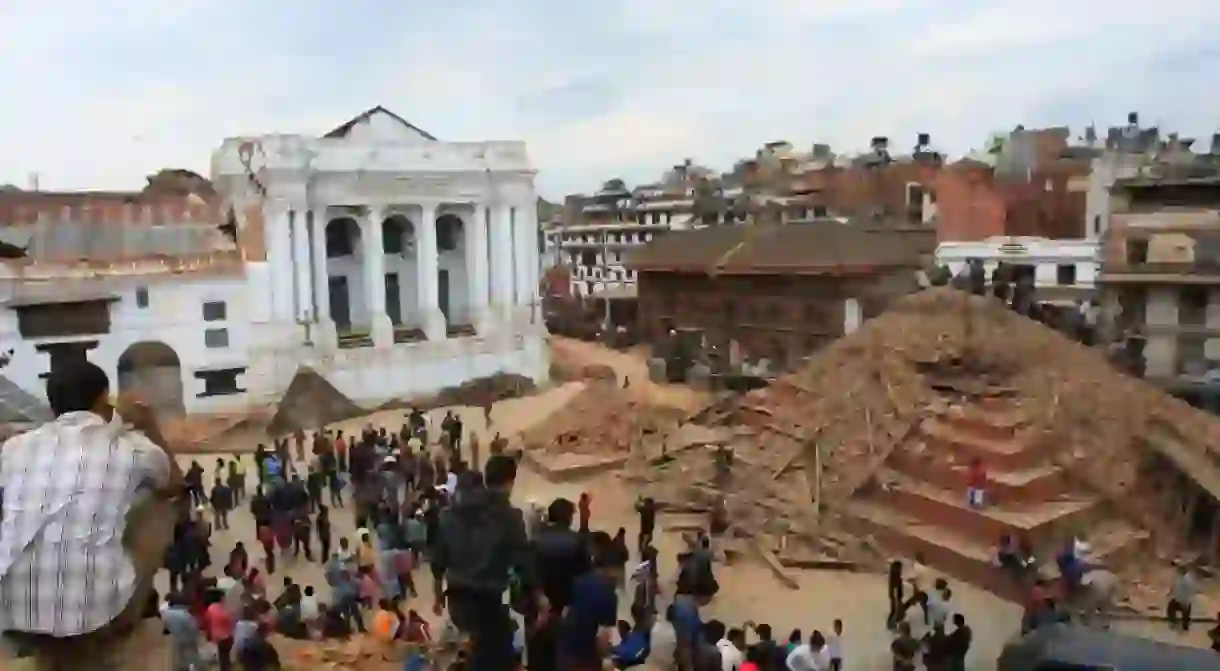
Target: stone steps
(1043,521)
(1036,483)
(965,558)
(1023,451)
(994,424)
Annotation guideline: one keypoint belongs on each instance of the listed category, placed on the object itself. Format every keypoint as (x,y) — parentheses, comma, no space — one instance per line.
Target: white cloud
(621,88)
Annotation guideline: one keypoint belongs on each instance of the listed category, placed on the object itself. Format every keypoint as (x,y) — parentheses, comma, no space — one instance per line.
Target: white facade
(1061,264)
(597,254)
(315,278)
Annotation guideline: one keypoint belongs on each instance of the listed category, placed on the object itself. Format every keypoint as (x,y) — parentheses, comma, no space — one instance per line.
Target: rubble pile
(835,422)
(601,419)
(479,392)
(310,402)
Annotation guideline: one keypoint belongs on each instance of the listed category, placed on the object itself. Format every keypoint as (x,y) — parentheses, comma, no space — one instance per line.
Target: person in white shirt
(309,607)
(834,647)
(730,648)
(72,580)
(811,656)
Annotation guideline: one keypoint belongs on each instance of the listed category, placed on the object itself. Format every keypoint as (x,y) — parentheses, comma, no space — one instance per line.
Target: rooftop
(816,247)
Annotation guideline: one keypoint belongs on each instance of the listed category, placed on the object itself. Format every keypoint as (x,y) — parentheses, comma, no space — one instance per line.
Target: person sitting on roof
(71,581)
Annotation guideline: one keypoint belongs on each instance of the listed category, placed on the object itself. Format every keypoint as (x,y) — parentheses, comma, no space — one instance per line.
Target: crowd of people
(415,501)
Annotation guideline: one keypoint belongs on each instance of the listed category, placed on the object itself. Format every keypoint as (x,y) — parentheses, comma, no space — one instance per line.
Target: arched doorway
(343,269)
(452,279)
(153,371)
(398,245)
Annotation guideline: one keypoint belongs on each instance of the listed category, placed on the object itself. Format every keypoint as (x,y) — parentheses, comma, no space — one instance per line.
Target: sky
(100,93)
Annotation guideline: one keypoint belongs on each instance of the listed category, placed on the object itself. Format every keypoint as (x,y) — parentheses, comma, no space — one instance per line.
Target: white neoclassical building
(390,262)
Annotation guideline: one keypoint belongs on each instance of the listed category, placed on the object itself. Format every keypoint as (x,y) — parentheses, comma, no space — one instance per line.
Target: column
(502,262)
(374,278)
(324,327)
(279,260)
(525,241)
(427,271)
(475,239)
(302,266)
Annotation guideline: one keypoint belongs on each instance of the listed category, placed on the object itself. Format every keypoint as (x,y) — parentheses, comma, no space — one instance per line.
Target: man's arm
(167,475)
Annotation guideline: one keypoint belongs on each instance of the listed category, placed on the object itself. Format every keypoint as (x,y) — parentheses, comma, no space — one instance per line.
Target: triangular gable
(385,124)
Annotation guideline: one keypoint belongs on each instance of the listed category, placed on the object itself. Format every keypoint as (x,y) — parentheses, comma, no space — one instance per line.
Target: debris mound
(828,430)
(865,393)
(600,420)
(479,392)
(599,371)
(310,402)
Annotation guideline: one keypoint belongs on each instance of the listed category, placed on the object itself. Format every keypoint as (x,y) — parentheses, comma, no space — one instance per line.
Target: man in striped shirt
(70,581)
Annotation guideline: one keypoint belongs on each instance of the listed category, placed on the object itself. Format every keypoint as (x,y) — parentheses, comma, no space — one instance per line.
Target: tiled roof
(815,247)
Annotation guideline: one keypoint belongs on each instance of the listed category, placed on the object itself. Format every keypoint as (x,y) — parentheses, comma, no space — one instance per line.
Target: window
(216,338)
(1097,224)
(819,212)
(214,311)
(914,194)
(338,241)
(141,297)
(392,235)
(1065,274)
(220,382)
(1137,252)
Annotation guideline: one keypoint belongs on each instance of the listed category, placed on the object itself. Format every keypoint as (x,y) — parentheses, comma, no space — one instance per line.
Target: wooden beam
(773,563)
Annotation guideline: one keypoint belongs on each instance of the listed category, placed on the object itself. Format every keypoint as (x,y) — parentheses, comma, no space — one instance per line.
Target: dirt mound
(862,397)
(600,419)
(599,371)
(479,392)
(310,402)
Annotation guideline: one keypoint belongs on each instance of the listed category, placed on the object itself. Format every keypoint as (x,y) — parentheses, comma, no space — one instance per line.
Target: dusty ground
(570,354)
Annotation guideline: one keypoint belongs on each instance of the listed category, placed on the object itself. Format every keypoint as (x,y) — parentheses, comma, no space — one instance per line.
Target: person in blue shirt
(684,615)
(633,647)
(593,609)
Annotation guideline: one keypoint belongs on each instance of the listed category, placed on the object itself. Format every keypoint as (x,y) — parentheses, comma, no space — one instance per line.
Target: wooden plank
(864,475)
(773,563)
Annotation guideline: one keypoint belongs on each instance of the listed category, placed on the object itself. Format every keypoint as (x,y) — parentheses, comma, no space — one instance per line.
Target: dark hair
(500,471)
(561,511)
(764,630)
(76,387)
(735,634)
(309,590)
(795,636)
(959,619)
(713,630)
(816,639)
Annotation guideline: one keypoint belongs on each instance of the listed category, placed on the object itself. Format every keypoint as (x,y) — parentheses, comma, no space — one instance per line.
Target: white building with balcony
(390,262)
(613,222)
(1063,270)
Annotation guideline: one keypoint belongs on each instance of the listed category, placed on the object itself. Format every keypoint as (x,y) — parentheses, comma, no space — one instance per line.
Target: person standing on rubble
(481,539)
(73,489)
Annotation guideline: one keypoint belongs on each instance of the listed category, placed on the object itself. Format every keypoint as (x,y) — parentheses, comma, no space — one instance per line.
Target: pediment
(381,125)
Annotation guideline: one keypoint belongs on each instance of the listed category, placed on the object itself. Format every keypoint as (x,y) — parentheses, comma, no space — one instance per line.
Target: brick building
(774,292)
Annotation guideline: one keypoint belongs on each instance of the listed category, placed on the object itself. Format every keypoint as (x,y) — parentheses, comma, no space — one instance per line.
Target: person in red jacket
(585,512)
(976,483)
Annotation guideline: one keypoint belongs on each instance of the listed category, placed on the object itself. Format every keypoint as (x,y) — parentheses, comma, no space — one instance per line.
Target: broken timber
(773,563)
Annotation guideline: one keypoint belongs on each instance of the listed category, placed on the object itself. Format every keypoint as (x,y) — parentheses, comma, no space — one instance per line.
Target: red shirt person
(976,483)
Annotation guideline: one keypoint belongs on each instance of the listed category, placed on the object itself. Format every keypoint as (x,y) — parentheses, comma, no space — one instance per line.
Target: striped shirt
(67,488)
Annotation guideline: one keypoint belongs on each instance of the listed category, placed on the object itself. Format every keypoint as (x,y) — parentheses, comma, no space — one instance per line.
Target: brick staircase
(917,502)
